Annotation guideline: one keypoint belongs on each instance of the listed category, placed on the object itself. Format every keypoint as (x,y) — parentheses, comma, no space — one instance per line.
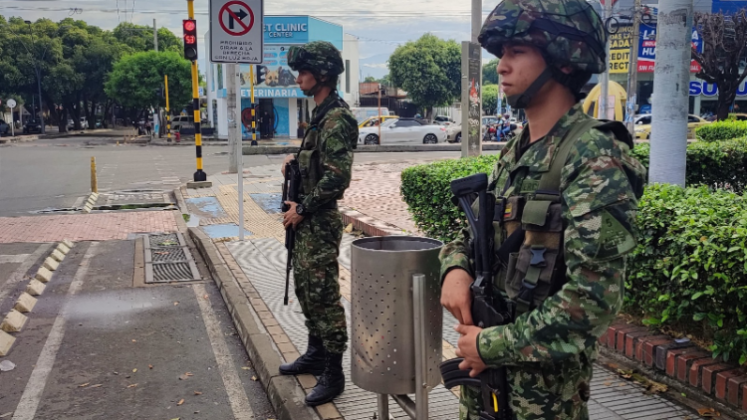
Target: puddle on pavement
(224,231)
(207,207)
(270,202)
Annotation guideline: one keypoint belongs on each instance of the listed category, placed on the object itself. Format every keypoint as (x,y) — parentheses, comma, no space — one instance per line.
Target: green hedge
(426,190)
(690,268)
(722,130)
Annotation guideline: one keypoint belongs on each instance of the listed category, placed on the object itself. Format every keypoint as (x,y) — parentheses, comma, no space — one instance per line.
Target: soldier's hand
(285,162)
(467,348)
(456,296)
(291,217)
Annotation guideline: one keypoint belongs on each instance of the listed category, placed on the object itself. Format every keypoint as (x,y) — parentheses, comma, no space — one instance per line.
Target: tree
(490,73)
(369,79)
(140,38)
(490,99)
(429,69)
(135,79)
(386,80)
(724,46)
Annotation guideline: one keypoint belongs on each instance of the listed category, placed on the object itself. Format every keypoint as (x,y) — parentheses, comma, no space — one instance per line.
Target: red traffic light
(189,25)
(190,39)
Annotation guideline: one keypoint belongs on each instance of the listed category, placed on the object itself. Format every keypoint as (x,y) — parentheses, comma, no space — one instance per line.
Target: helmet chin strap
(313,91)
(523,99)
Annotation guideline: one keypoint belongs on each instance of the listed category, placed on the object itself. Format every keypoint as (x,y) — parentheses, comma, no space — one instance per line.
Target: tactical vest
(530,265)
(309,158)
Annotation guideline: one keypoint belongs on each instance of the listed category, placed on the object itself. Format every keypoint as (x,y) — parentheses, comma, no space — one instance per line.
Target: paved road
(55,173)
(91,326)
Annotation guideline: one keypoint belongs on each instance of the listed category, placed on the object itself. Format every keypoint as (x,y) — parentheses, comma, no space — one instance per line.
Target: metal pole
(254,107)
(168,114)
(239,158)
(383,406)
(94,180)
(155,36)
(633,70)
(41,106)
(378,123)
(234,133)
(200,175)
(605,77)
(670,98)
(407,405)
(476,19)
(421,355)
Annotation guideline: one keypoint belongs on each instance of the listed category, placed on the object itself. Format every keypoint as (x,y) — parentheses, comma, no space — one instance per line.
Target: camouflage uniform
(318,236)
(548,351)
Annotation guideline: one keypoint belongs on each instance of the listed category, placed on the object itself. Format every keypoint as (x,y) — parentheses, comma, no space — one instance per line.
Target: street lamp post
(38,78)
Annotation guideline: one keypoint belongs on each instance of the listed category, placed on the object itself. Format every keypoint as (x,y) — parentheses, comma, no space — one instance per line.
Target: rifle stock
(291,185)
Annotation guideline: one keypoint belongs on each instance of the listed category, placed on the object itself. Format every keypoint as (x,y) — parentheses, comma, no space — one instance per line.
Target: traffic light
(190,39)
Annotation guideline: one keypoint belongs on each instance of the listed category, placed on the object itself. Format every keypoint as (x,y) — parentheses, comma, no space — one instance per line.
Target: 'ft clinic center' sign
(236,31)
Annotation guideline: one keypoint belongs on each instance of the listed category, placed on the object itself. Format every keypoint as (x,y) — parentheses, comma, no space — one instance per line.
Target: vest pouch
(530,281)
(308,163)
(512,213)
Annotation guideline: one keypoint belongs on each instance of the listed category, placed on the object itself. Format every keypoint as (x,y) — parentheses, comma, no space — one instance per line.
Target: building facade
(281,105)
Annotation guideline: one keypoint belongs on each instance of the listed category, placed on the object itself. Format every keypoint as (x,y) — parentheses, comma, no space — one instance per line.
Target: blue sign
(286,29)
(647,49)
(699,87)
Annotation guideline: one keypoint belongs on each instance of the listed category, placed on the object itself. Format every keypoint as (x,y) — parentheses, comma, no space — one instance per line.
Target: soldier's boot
(310,362)
(330,384)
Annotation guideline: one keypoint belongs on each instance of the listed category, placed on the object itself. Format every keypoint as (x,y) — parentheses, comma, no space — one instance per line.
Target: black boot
(310,362)
(330,384)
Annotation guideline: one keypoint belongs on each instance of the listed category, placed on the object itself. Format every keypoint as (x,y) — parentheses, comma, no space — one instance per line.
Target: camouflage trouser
(315,271)
(537,396)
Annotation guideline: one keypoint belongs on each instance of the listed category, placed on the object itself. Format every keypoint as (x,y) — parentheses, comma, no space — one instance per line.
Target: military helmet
(568,32)
(319,57)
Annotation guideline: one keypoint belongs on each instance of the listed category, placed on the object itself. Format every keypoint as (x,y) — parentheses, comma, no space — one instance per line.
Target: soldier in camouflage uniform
(325,159)
(549,49)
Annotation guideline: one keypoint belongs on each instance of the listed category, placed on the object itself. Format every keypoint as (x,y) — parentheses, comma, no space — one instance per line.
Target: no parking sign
(236,31)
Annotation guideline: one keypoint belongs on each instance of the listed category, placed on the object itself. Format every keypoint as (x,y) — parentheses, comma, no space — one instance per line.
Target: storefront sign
(274,79)
(647,49)
(620,49)
(709,90)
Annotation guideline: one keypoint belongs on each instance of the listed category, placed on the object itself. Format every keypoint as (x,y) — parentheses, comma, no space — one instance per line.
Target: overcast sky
(381,25)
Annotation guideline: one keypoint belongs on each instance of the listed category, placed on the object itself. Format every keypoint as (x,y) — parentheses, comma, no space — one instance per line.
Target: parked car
(363,113)
(443,120)
(371,122)
(454,133)
(32,126)
(4,129)
(181,121)
(643,126)
(403,130)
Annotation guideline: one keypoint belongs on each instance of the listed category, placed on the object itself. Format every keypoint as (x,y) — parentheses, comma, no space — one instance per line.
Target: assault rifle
(291,187)
(488,308)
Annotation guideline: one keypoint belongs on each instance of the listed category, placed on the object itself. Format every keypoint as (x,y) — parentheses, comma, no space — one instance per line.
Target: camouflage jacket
(556,342)
(329,156)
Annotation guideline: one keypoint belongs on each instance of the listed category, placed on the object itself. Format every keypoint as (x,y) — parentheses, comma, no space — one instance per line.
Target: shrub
(426,190)
(690,267)
(722,130)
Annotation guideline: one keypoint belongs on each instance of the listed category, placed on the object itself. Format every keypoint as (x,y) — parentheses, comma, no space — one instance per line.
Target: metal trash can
(386,309)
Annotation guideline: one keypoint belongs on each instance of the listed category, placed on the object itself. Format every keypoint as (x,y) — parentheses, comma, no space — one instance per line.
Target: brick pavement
(84,227)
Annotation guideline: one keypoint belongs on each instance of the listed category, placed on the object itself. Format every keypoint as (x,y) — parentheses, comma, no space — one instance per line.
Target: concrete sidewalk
(252,274)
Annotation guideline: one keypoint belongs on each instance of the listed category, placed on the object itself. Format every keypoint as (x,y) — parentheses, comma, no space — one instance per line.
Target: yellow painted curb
(13,322)
(6,342)
(25,303)
(50,264)
(63,249)
(43,275)
(57,255)
(35,288)
(68,243)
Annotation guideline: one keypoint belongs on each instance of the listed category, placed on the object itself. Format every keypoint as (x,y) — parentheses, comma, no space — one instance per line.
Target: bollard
(94,181)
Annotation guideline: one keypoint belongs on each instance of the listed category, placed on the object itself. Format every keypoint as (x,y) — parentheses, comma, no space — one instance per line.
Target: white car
(403,130)
(454,133)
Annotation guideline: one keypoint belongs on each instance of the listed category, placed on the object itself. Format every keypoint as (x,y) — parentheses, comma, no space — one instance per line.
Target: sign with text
(236,34)
(647,49)
(620,49)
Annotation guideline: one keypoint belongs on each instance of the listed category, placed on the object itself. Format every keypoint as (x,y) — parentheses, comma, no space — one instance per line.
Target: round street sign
(11,103)
(232,15)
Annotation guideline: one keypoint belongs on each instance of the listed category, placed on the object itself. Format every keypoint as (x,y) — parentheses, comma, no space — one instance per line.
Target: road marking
(236,395)
(11,259)
(20,272)
(31,397)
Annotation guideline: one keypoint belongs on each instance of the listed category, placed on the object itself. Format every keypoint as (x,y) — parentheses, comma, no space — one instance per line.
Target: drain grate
(167,259)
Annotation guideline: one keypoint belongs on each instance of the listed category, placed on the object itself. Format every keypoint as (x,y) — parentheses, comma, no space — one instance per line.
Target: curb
(90,202)
(19,139)
(16,318)
(275,150)
(680,364)
(285,392)
(369,225)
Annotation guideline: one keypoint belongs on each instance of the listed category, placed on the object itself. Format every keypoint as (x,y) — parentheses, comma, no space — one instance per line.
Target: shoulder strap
(314,123)
(550,181)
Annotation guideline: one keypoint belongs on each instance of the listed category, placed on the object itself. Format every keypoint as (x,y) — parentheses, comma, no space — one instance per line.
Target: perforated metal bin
(384,313)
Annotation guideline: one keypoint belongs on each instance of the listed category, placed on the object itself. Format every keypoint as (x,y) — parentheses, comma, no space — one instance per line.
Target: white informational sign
(236,31)
(11,103)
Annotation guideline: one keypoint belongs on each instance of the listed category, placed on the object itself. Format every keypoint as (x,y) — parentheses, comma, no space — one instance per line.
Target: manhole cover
(167,259)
